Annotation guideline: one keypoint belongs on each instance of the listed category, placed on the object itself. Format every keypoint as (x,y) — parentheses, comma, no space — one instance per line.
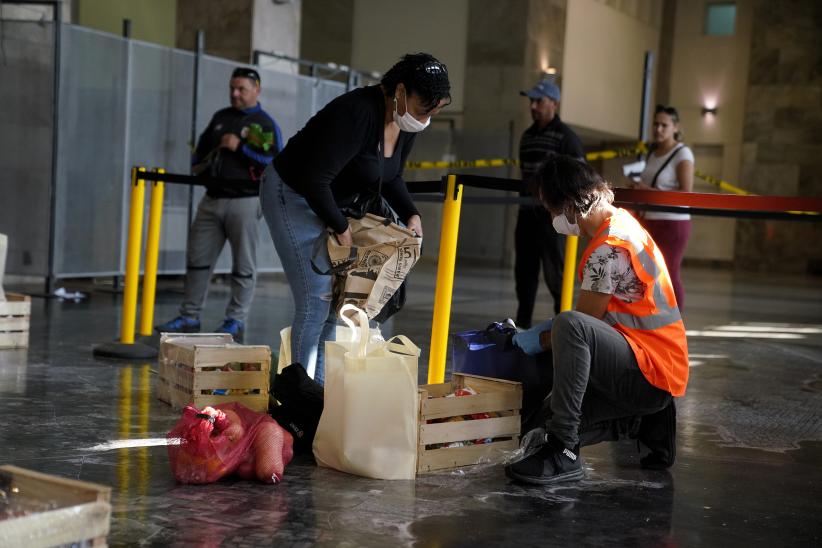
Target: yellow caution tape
(640,148)
(494,162)
(724,185)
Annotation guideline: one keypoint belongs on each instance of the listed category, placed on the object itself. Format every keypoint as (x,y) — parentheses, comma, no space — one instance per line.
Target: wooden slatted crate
(43,510)
(501,398)
(209,369)
(15,313)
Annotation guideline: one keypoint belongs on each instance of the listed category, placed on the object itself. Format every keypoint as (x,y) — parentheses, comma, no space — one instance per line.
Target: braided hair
(423,75)
(563,184)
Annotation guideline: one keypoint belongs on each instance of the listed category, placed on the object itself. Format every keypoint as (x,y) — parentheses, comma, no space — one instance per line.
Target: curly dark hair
(562,183)
(423,75)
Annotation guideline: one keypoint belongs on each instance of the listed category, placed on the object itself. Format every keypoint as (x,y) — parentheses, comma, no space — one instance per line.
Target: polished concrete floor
(750,435)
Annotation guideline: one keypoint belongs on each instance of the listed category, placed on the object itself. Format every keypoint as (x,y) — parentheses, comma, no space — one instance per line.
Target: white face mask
(564,226)
(407,122)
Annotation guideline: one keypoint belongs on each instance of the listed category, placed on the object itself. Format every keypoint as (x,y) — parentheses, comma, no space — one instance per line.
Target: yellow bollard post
(155,216)
(566,301)
(445,280)
(135,238)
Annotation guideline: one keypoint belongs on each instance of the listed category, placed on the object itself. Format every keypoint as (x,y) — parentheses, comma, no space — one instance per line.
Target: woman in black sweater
(331,160)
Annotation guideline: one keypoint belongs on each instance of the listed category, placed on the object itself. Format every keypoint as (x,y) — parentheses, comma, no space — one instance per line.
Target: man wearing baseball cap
(536,242)
(239,142)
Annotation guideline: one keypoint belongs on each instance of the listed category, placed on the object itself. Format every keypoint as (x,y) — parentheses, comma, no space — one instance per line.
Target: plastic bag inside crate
(228,439)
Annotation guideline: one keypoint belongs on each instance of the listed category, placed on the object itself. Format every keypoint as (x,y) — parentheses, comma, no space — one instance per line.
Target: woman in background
(669,166)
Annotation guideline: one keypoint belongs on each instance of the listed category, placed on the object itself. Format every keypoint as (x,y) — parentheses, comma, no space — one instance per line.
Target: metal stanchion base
(116,349)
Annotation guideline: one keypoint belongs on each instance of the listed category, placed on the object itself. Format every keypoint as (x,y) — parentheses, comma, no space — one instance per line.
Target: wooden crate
(191,371)
(56,511)
(500,397)
(15,313)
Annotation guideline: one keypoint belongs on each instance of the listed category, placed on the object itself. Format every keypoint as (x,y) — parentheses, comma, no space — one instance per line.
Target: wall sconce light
(706,111)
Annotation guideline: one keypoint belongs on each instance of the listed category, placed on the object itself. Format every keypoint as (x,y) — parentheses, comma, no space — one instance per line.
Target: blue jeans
(294,229)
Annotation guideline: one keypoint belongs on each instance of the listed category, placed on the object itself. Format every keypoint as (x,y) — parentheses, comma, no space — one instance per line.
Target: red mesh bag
(227,439)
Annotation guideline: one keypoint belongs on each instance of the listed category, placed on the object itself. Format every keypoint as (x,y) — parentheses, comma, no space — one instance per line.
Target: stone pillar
(276,26)
(327,28)
(782,150)
(509,44)
(493,64)
(666,53)
(227,27)
(234,29)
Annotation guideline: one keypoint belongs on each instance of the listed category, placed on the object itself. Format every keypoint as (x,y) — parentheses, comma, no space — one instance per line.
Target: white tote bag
(369,421)
(342,334)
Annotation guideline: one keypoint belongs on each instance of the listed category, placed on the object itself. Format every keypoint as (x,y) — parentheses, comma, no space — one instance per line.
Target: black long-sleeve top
(250,158)
(334,157)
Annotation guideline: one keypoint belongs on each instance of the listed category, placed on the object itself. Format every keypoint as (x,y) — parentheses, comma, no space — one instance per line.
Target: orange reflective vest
(653,325)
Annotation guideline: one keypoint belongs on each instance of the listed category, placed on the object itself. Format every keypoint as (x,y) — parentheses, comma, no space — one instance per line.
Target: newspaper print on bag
(406,258)
(382,255)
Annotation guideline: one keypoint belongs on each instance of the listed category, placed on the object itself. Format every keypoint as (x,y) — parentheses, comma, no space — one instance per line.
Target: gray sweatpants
(596,381)
(217,220)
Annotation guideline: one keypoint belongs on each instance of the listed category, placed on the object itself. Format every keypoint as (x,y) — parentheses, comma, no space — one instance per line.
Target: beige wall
(716,140)
(712,238)
(151,20)
(386,29)
(603,63)
(722,82)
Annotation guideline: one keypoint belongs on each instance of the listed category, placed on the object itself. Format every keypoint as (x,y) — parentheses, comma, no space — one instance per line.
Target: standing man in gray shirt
(536,243)
(239,142)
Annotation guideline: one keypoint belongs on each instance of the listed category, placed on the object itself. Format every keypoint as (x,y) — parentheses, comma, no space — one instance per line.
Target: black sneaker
(553,463)
(658,433)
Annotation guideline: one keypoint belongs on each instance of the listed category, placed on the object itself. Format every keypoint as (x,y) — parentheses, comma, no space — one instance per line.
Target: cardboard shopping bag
(370,272)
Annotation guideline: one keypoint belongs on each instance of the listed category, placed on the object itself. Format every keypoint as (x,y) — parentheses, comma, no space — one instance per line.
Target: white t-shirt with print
(667,178)
(609,270)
